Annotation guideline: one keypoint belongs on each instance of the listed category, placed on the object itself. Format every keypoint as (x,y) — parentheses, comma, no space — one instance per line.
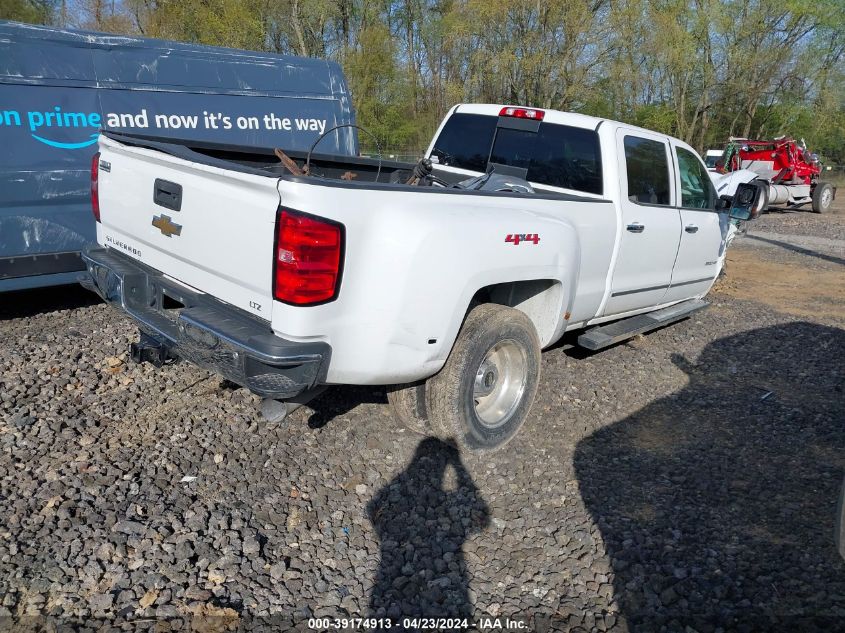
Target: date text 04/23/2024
(433,624)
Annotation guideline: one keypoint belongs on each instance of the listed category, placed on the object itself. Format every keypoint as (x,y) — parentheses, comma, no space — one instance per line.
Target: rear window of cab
(555,155)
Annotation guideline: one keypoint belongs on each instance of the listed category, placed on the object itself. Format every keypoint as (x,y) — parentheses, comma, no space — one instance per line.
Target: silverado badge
(167,227)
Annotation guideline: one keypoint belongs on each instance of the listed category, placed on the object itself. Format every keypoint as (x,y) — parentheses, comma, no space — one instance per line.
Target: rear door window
(648,170)
(555,155)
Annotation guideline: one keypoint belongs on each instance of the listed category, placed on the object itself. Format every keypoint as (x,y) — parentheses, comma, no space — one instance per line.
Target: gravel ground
(684,481)
(804,223)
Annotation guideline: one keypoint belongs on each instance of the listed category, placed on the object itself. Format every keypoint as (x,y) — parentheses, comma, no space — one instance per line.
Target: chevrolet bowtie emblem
(167,227)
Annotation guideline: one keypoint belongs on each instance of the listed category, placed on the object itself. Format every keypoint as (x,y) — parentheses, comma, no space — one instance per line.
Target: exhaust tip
(274,410)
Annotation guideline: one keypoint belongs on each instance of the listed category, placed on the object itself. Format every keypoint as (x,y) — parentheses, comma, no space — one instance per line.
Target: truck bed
(346,171)
(263,162)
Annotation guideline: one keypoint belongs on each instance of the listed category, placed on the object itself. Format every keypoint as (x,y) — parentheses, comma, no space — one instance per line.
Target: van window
(555,155)
(648,170)
(696,187)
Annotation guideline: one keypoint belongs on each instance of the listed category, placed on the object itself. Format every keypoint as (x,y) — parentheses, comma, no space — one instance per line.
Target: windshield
(555,155)
(710,160)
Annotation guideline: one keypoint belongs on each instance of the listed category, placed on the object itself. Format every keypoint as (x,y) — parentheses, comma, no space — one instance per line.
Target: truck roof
(559,117)
(552,116)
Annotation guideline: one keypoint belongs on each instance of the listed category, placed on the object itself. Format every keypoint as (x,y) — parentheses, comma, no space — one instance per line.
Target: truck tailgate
(207,227)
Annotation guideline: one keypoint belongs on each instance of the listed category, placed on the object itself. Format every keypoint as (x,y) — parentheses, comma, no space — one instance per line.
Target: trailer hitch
(149,350)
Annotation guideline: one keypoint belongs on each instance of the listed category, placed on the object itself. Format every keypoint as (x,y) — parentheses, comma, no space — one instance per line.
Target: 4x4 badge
(167,227)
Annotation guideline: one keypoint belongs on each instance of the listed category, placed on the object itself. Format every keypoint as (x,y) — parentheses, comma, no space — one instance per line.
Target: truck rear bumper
(201,329)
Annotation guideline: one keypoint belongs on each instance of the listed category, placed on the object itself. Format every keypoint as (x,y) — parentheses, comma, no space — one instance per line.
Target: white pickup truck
(533,223)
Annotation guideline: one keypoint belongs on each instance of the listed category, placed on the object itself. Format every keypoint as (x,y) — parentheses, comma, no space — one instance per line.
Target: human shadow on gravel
(422,517)
(717,504)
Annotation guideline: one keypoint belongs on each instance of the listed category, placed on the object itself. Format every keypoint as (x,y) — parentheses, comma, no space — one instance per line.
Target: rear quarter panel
(414,260)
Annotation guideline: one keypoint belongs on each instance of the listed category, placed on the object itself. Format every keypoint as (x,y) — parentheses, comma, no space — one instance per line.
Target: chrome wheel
(826,198)
(500,383)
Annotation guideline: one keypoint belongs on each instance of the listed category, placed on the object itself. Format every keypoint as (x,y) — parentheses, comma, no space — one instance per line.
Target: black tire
(822,197)
(408,402)
(764,192)
(496,335)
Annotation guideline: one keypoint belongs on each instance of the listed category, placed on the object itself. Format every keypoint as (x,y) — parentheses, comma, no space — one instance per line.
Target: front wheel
(483,394)
(822,197)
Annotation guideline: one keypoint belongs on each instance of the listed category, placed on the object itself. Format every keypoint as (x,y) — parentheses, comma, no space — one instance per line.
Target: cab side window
(648,171)
(696,187)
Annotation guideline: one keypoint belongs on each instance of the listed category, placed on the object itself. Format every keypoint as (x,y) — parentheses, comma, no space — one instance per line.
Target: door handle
(636,227)
(691,228)
(167,194)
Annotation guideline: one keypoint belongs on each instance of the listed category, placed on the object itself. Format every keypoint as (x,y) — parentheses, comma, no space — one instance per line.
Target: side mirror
(748,201)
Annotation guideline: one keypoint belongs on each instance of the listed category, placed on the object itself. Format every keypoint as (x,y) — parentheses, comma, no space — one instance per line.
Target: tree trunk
(297,28)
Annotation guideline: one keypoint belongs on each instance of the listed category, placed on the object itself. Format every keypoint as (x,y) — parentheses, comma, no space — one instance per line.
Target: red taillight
(307,259)
(95,187)
(523,113)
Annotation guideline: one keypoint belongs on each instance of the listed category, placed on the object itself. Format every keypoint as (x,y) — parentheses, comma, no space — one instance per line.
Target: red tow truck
(791,173)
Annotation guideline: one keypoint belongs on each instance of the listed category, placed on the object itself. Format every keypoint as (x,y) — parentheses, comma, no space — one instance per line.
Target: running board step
(618,331)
